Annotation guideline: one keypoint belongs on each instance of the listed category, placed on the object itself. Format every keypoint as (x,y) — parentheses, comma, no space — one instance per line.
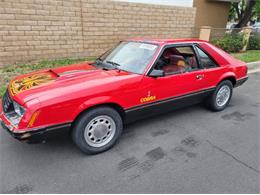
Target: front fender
(94,102)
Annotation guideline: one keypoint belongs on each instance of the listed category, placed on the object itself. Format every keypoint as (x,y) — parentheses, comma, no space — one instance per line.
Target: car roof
(166,41)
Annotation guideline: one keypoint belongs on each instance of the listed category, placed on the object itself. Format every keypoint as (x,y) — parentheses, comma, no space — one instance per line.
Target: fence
(218,33)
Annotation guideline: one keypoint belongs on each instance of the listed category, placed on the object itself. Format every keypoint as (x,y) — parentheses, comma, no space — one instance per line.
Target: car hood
(61,81)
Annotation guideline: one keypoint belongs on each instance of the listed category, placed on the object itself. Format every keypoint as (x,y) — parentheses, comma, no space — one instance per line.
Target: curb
(253,67)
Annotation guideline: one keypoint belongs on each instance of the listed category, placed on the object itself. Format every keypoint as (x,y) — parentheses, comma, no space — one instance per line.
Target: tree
(244,11)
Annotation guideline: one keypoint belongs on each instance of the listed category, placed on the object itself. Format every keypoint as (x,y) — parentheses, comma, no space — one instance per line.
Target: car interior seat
(177,64)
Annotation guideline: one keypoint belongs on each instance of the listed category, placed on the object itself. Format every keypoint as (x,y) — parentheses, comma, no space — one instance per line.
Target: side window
(205,60)
(175,60)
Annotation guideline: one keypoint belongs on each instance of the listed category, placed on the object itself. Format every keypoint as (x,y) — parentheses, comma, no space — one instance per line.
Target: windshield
(130,56)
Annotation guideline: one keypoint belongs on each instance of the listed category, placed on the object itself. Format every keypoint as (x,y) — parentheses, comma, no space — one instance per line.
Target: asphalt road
(191,150)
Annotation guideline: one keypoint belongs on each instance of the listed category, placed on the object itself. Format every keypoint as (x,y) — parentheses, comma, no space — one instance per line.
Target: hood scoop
(72,72)
(53,72)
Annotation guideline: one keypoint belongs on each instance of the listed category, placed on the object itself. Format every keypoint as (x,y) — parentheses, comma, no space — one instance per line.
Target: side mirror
(157,73)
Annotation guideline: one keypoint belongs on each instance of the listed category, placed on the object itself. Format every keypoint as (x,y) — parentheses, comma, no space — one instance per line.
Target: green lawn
(9,71)
(248,56)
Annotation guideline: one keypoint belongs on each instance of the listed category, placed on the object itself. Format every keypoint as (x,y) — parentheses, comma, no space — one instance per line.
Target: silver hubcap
(100,131)
(223,95)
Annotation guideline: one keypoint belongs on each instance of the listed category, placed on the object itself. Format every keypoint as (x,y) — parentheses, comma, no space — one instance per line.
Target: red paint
(81,86)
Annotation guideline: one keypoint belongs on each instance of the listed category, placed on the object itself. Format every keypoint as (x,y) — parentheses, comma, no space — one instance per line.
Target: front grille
(7,103)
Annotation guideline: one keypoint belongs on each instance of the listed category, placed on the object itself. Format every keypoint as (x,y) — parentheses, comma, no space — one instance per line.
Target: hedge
(254,42)
(230,42)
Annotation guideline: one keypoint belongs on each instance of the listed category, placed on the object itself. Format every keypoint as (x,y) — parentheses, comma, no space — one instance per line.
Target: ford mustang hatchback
(136,79)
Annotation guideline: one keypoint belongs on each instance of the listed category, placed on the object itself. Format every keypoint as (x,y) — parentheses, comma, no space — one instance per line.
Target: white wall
(185,3)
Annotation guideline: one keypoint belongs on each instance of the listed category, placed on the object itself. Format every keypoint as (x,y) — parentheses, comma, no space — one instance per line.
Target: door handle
(200,76)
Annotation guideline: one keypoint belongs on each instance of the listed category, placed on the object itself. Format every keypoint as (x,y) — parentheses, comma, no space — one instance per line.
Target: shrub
(254,42)
(230,42)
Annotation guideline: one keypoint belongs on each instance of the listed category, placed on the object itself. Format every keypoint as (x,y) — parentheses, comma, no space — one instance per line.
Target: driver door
(183,86)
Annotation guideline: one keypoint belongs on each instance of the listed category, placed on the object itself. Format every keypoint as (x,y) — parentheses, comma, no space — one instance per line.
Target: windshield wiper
(113,63)
(100,63)
(106,65)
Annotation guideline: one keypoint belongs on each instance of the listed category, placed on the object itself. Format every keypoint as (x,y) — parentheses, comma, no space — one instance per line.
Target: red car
(138,78)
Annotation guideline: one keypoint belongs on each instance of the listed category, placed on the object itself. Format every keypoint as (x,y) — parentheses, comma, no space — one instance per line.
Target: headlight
(16,116)
(18,109)
(15,120)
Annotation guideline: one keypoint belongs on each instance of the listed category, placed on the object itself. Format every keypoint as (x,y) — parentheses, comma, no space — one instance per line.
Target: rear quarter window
(220,56)
(205,60)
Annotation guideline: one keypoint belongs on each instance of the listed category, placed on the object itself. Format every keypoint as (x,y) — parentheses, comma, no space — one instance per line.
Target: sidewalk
(253,67)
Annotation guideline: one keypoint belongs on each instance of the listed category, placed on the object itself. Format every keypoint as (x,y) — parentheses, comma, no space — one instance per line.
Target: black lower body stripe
(166,105)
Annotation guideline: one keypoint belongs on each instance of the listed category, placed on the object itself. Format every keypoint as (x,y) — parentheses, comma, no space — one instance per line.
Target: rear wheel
(97,130)
(220,99)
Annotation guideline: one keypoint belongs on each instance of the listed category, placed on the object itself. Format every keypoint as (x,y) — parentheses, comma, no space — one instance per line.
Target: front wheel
(220,99)
(97,130)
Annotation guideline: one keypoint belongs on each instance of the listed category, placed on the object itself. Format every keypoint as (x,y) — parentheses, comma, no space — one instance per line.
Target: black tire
(212,100)
(82,122)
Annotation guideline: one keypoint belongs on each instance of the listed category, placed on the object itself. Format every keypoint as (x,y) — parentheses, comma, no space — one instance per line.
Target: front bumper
(39,135)
(36,135)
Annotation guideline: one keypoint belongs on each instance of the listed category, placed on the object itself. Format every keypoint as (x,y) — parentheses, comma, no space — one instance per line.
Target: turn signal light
(33,118)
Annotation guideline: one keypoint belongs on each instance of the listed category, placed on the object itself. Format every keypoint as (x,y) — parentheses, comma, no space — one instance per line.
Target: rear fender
(226,76)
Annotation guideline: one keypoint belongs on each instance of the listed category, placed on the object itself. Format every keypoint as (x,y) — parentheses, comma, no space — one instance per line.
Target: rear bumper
(38,135)
(241,81)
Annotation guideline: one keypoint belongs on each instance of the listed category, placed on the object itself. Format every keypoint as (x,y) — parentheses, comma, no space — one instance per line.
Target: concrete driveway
(192,150)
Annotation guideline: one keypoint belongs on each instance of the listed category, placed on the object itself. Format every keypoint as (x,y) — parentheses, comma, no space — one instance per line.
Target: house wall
(43,29)
(211,13)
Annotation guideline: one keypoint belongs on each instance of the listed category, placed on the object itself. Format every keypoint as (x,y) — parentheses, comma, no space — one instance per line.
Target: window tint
(205,59)
(176,60)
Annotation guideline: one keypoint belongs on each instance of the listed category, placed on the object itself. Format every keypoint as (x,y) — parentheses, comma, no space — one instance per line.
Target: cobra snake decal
(20,85)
